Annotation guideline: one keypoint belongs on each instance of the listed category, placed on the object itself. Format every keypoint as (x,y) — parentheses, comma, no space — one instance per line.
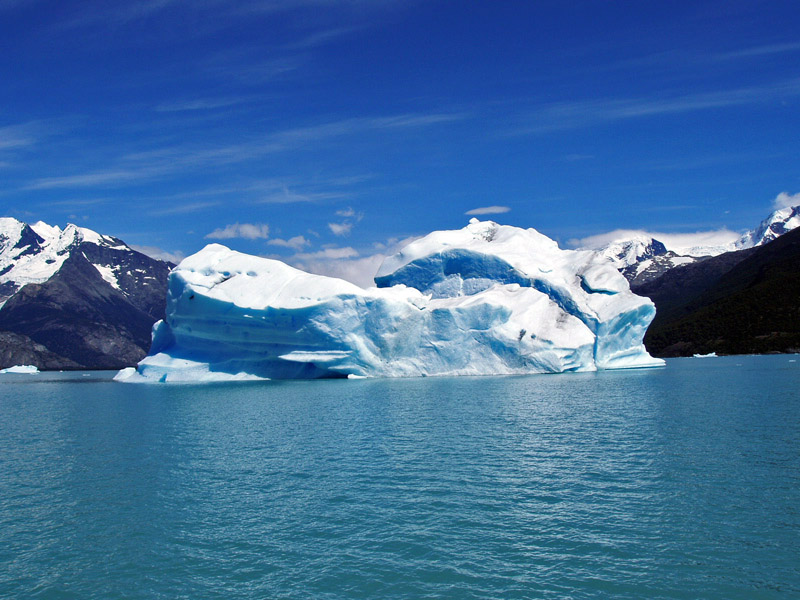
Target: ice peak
(485,230)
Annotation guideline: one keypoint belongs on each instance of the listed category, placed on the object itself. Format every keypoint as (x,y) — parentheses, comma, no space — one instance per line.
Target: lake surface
(680,482)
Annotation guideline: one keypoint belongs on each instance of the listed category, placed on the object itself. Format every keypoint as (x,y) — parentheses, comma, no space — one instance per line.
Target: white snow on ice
(486,299)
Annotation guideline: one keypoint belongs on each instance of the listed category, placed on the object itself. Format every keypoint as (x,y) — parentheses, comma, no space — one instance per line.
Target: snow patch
(109,275)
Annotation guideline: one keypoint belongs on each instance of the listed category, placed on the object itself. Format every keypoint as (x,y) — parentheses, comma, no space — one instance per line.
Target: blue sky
(314,130)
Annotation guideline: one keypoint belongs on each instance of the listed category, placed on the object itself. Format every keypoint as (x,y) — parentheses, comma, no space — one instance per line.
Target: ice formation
(28,369)
(486,299)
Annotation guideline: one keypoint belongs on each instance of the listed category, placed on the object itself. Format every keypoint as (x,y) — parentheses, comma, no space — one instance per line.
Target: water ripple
(675,483)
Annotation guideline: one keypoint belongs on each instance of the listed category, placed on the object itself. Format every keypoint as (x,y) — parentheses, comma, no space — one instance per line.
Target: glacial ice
(27,369)
(487,299)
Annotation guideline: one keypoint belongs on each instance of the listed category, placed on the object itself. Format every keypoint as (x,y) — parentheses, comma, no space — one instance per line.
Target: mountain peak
(775,225)
(75,284)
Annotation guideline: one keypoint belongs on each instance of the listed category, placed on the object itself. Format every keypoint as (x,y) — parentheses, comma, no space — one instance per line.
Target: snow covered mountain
(73,298)
(641,258)
(779,222)
(486,299)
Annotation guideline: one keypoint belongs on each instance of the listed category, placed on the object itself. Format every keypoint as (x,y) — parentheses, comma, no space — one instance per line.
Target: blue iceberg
(483,300)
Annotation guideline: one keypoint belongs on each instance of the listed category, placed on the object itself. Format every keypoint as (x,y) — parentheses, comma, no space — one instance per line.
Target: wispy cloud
(319,38)
(98,178)
(335,253)
(488,210)
(682,243)
(77,202)
(297,242)
(786,200)
(346,212)
(31,133)
(359,270)
(356,125)
(182,209)
(248,231)
(345,227)
(571,115)
(115,14)
(252,72)
(287,196)
(158,253)
(9,4)
(347,263)
(757,51)
(164,161)
(417,120)
(16,136)
(693,162)
(341,229)
(203,104)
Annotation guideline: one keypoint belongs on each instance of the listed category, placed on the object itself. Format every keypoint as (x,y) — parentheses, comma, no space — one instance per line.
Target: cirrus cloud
(297,242)
(248,231)
(488,210)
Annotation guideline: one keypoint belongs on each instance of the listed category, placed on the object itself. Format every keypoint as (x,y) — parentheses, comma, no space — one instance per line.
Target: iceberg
(484,300)
(28,369)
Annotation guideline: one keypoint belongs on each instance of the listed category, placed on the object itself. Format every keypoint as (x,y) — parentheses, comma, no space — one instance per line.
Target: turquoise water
(682,482)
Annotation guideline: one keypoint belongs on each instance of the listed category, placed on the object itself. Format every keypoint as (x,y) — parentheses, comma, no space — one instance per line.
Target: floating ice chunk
(21,369)
(486,299)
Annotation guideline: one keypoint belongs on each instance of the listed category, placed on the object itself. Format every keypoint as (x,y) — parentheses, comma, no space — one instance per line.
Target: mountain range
(75,299)
(642,258)
(742,302)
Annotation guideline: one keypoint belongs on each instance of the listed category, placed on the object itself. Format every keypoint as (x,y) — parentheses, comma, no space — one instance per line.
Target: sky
(325,133)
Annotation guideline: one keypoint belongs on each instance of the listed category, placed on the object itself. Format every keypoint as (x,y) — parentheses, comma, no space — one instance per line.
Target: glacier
(487,299)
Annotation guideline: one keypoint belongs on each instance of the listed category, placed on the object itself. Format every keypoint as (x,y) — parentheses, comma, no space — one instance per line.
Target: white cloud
(360,271)
(99,178)
(682,243)
(347,264)
(16,136)
(298,242)
(345,227)
(248,231)
(346,212)
(202,104)
(488,210)
(158,253)
(286,196)
(329,254)
(340,228)
(184,208)
(786,200)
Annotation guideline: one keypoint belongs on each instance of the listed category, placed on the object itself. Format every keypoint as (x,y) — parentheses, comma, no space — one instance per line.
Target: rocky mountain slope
(740,302)
(642,259)
(73,298)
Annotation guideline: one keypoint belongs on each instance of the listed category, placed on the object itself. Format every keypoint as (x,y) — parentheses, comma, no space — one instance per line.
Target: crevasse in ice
(486,299)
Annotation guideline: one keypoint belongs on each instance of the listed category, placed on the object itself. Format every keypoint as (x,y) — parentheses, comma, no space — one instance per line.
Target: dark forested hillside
(739,303)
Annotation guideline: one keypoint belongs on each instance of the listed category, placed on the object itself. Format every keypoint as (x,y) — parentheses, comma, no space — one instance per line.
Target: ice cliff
(486,299)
